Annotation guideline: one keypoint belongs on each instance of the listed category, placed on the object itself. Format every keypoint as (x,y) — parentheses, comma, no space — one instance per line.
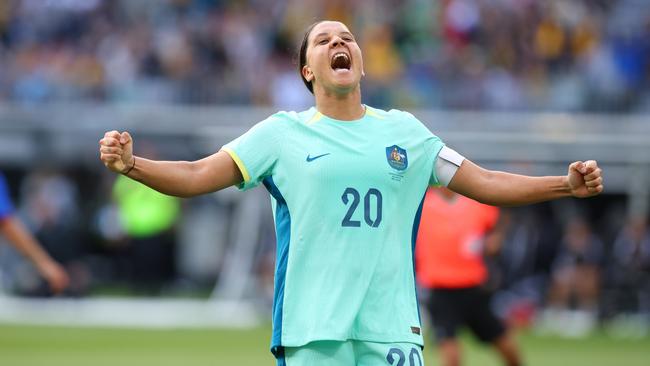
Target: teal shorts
(352,353)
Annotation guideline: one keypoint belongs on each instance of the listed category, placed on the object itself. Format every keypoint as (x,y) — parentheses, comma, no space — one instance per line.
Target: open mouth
(341,61)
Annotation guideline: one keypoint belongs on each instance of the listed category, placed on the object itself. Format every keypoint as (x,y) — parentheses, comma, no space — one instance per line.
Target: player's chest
(381,157)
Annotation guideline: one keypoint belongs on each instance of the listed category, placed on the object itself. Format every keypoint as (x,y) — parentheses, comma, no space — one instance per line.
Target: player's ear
(307,73)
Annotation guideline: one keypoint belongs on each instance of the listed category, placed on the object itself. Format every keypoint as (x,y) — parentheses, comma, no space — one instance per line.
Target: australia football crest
(396,157)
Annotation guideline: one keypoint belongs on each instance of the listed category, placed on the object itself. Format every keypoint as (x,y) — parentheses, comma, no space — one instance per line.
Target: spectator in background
(383,64)
(520,273)
(574,291)
(631,267)
(148,219)
(50,205)
(13,229)
(449,264)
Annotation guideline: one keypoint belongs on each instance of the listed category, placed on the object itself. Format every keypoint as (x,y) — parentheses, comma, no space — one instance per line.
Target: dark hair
(302,55)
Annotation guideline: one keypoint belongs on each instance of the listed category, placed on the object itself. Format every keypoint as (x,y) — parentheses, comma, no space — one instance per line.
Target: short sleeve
(432,146)
(6,208)
(435,145)
(257,151)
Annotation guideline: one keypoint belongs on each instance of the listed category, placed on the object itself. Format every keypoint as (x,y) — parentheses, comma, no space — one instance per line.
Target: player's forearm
(174,178)
(185,178)
(506,189)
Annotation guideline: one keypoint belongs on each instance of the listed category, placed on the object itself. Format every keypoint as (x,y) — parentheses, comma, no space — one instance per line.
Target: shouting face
(333,60)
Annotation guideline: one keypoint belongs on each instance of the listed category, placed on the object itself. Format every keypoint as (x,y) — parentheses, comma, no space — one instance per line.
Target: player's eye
(323,41)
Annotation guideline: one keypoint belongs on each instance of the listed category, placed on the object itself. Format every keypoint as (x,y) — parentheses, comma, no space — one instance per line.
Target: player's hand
(116,151)
(55,275)
(585,179)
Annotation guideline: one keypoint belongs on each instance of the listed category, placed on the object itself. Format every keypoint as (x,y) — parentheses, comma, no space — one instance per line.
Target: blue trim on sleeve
(283,238)
(414,239)
(6,208)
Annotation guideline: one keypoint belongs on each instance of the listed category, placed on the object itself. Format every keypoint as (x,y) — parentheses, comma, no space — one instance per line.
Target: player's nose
(337,42)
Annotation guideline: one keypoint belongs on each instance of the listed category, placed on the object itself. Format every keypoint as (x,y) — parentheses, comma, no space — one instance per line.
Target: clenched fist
(116,151)
(585,179)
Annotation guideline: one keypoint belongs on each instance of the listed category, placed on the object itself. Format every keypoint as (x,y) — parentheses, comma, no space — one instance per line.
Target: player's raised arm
(584,179)
(176,178)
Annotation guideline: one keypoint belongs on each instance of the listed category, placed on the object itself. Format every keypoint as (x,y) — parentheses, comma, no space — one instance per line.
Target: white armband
(447,164)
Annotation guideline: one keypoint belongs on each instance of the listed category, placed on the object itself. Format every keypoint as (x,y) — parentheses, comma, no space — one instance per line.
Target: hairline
(326,34)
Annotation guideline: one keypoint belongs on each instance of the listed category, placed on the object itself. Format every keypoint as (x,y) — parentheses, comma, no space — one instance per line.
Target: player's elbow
(204,178)
(492,188)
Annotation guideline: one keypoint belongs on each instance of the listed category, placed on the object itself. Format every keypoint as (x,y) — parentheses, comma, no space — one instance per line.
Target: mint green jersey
(346,196)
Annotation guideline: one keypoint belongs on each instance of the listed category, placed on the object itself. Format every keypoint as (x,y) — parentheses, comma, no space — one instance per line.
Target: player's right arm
(176,178)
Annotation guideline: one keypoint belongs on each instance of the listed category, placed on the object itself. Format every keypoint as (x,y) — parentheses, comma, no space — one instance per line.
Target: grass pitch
(62,346)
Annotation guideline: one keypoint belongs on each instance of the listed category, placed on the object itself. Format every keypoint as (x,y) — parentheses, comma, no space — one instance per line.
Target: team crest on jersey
(397,158)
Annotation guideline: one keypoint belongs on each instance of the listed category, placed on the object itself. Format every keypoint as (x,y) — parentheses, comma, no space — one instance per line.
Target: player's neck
(346,107)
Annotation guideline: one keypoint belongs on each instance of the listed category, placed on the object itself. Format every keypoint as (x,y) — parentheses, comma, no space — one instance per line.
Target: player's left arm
(584,179)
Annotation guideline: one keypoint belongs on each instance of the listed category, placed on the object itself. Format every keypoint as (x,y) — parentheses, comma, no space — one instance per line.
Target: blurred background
(519,85)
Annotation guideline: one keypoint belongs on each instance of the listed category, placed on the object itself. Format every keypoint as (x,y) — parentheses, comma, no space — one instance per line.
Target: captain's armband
(447,164)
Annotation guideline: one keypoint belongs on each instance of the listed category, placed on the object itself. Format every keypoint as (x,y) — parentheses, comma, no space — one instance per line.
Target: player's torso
(352,190)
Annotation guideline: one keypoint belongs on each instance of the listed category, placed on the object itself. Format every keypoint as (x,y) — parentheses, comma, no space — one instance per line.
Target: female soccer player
(346,181)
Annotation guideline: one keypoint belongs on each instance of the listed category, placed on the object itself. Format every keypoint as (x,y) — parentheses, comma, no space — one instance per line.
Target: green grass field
(59,346)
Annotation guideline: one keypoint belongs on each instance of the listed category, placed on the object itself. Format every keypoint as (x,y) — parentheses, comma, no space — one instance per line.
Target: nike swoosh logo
(309,158)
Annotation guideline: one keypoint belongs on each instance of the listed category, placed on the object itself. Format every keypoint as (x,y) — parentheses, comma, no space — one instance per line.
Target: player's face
(334,60)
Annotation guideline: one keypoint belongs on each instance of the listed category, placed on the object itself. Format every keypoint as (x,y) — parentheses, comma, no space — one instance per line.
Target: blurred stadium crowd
(585,55)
